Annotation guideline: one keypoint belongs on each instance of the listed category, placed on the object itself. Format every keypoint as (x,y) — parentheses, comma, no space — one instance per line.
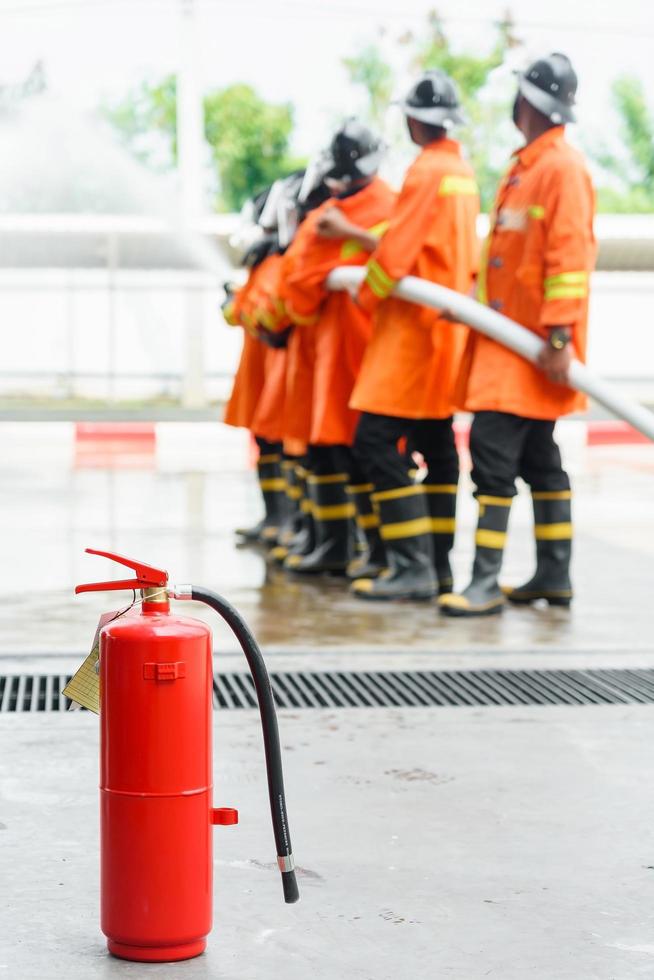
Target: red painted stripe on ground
(613,433)
(116,431)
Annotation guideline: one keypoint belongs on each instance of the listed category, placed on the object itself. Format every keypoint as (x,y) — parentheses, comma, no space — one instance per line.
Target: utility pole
(190,155)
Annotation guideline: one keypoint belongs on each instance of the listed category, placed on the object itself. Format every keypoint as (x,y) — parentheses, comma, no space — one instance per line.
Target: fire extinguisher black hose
(272,747)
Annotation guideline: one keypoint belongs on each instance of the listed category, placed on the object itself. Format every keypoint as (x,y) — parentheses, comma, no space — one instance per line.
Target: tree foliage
(249,141)
(631,174)
(248,138)
(487,136)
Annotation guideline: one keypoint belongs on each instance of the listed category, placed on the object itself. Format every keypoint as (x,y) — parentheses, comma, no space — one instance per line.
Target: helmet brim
(545,103)
(434,115)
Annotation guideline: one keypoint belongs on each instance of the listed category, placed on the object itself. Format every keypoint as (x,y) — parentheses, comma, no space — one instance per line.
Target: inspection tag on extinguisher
(83,688)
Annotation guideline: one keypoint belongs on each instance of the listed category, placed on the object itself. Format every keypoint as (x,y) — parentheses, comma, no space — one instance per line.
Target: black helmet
(355,150)
(550,85)
(353,154)
(434,99)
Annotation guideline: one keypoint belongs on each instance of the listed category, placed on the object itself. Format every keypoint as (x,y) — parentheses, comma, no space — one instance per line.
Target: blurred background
(132,132)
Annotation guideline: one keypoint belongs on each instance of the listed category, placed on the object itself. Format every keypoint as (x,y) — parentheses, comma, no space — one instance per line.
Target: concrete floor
(465,843)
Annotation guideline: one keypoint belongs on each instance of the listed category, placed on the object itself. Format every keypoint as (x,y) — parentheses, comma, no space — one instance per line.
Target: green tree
(631,174)
(249,141)
(248,138)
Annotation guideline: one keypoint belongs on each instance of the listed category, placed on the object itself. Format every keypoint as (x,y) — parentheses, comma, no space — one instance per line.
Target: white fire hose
(506,332)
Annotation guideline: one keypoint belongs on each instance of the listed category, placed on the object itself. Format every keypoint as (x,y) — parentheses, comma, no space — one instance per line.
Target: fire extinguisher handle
(271,741)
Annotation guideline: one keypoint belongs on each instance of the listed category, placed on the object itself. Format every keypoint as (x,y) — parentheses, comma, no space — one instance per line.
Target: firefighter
(535,269)
(253,402)
(341,330)
(406,384)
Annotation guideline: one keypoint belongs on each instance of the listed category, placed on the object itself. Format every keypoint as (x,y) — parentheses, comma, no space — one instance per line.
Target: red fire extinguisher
(156,806)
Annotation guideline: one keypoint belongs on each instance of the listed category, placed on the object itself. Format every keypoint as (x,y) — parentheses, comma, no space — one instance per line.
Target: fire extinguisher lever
(271,742)
(146,575)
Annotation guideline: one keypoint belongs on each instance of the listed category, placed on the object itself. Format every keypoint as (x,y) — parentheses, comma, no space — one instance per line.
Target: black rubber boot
(405,531)
(332,513)
(441,500)
(302,540)
(483,597)
(273,487)
(553,533)
(293,496)
(372,559)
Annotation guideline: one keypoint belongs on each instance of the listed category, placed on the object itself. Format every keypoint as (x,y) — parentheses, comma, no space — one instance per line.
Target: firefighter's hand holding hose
(555,358)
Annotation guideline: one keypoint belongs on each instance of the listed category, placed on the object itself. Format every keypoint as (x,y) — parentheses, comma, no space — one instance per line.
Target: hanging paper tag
(83,688)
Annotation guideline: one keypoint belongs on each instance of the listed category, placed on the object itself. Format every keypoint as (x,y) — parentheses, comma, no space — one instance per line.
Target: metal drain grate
(382,689)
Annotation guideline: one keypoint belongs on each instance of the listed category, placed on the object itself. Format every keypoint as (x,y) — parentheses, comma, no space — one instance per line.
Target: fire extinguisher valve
(147,577)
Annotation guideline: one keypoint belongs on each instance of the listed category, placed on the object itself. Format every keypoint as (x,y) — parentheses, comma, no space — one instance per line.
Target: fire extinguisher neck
(155,600)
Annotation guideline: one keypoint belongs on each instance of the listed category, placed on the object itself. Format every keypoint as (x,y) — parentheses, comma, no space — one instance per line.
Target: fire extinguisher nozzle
(289,884)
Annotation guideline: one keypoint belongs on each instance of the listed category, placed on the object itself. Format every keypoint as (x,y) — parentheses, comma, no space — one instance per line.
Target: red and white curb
(212,446)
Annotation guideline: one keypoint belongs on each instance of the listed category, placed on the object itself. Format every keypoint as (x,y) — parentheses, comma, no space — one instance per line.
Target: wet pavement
(178,508)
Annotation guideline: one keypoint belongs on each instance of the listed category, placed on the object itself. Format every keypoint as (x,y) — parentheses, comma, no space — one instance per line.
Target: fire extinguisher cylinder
(156,783)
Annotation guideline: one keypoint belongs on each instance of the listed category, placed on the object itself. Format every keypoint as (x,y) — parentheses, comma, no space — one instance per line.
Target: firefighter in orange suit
(251,402)
(535,270)
(406,384)
(341,330)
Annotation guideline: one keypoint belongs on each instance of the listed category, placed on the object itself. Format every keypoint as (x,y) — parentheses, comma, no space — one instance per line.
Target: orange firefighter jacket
(341,328)
(299,361)
(535,269)
(412,362)
(249,377)
(268,419)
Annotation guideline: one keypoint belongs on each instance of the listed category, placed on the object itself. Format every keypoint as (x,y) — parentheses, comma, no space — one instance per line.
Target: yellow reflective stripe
(336,512)
(351,247)
(379,291)
(362,488)
(442,525)
(379,281)
(536,211)
(366,521)
(271,458)
(566,285)
(454,184)
(552,495)
(554,532)
(302,321)
(263,316)
(306,506)
(397,493)
(566,278)
(379,229)
(276,483)
(566,292)
(484,501)
(490,539)
(406,529)
(228,314)
(287,464)
(379,273)
(439,487)
(293,493)
(329,478)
